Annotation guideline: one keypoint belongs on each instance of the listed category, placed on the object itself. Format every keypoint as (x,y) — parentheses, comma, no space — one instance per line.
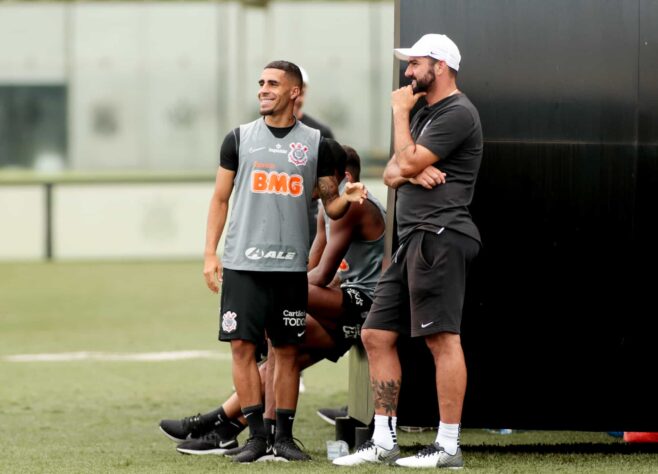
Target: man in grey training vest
(273,163)
(422,292)
(352,249)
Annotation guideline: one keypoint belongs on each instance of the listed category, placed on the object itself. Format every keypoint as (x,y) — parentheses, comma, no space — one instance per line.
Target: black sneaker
(330,414)
(287,449)
(234,451)
(210,443)
(254,449)
(187,428)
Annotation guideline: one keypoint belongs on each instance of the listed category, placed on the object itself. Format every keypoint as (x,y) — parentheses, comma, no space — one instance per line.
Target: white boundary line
(118,357)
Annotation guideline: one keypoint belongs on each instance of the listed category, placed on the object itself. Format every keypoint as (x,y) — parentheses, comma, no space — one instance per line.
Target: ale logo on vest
(272,252)
(297,155)
(273,182)
(344,266)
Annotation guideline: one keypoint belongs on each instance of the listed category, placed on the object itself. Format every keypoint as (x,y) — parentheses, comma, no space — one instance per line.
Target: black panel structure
(559,323)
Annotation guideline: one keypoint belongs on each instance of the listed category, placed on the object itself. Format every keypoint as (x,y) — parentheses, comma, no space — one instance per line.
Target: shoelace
(428,451)
(251,440)
(211,436)
(191,421)
(291,441)
(365,446)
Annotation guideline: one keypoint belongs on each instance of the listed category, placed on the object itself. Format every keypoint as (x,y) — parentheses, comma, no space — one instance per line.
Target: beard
(423,84)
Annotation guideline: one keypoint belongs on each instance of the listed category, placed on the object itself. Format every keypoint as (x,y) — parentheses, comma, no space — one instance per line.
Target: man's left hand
(429,177)
(355,192)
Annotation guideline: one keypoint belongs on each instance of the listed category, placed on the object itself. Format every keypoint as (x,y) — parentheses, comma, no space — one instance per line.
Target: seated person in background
(351,248)
(326,132)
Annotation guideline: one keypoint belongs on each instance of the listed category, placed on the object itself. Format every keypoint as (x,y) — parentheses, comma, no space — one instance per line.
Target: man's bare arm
(392,176)
(334,204)
(341,236)
(427,178)
(411,158)
(217,212)
(319,243)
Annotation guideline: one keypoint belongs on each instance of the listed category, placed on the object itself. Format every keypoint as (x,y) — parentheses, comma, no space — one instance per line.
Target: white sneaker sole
(326,418)
(428,467)
(217,451)
(271,458)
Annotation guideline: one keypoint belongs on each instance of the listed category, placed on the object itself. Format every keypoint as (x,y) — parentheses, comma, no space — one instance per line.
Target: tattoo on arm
(386,394)
(328,189)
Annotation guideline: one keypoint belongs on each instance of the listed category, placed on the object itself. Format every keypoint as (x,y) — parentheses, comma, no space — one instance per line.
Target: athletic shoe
(433,456)
(233,451)
(253,449)
(187,428)
(330,414)
(270,456)
(210,443)
(287,449)
(369,452)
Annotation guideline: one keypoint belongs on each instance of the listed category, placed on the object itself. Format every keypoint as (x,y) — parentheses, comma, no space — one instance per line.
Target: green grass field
(102,416)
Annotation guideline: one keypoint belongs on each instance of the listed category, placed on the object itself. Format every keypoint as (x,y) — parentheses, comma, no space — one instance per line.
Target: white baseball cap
(436,46)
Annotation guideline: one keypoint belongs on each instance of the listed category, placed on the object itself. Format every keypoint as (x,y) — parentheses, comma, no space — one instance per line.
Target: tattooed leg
(386,394)
(385,371)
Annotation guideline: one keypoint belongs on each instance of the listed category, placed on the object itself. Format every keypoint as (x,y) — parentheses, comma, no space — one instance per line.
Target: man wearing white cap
(421,294)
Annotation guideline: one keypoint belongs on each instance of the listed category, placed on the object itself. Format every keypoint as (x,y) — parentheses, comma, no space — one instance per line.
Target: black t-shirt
(451,130)
(326,132)
(309,121)
(229,152)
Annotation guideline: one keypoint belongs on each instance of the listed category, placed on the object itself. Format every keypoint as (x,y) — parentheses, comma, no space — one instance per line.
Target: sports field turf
(102,416)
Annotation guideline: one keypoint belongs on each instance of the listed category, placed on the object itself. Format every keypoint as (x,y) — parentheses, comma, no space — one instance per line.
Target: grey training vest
(362,264)
(268,229)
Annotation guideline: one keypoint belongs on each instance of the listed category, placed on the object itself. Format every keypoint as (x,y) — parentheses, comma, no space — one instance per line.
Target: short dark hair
(352,162)
(338,155)
(291,70)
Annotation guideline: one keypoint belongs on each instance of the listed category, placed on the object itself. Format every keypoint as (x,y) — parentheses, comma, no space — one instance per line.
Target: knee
(375,340)
(443,342)
(286,354)
(243,351)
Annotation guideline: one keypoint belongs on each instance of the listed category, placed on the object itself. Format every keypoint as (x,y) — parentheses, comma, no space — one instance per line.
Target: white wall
(157,85)
(22,222)
(111,221)
(33,43)
(151,69)
(130,220)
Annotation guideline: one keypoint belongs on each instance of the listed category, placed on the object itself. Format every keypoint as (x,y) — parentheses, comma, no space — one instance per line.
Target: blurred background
(112,113)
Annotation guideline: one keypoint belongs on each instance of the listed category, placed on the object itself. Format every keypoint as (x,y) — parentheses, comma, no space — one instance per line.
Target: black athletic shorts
(253,303)
(422,291)
(356,305)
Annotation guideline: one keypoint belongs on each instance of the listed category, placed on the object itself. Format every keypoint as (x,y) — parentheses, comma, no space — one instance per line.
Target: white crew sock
(448,437)
(384,435)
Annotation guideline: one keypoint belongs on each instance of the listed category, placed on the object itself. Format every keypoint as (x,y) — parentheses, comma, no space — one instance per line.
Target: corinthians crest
(297,155)
(229,324)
